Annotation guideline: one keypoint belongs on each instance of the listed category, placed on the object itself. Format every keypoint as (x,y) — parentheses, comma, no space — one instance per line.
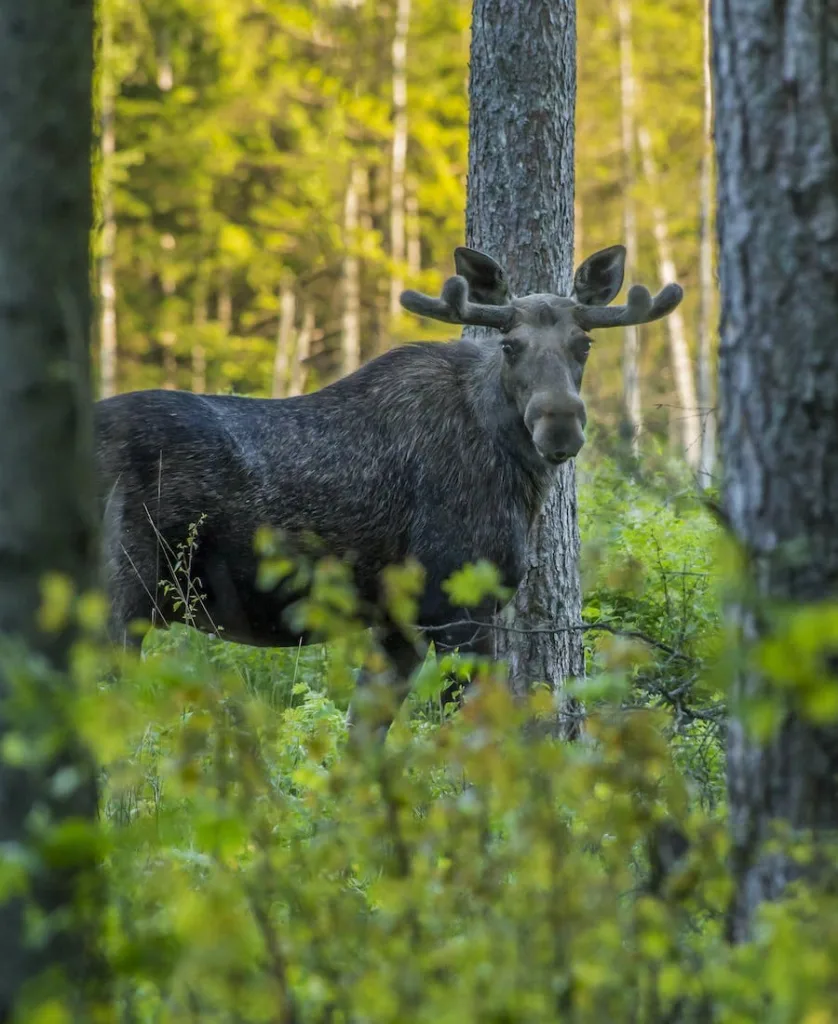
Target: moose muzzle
(557,426)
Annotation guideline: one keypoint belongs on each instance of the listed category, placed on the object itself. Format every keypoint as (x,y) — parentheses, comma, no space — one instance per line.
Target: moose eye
(512,348)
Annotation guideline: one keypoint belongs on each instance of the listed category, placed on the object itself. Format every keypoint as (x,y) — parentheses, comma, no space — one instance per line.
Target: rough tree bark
(682,367)
(775,70)
(520,210)
(632,407)
(47,509)
(706,402)
(398,161)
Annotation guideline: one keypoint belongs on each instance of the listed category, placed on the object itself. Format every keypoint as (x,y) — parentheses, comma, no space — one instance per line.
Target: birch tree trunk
(351,320)
(706,401)
(284,357)
(107,282)
(520,210)
(398,163)
(682,367)
(776,129)
(303,350)
(632,406)
(47,508)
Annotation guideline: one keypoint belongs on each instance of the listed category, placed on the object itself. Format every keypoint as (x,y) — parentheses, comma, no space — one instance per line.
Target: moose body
(442,452)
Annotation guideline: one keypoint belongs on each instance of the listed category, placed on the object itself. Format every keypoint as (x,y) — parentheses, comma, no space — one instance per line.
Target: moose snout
(557,426)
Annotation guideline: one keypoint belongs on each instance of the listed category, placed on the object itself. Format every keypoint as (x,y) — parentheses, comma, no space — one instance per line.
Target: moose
(443,452)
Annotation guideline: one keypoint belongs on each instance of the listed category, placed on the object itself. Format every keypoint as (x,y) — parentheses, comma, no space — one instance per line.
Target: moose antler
(641,308)
(453,307)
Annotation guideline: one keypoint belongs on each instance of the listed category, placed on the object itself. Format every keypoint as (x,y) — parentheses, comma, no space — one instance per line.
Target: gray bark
(302,351)
(351,320)
(283,356)
(47,511)
(689,422)
(398,162)
(706,403)
(107,278)
(521,211)
(632,407)
(775,72)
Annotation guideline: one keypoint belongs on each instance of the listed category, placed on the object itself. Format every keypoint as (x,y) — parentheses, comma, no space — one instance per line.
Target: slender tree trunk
(168,339)
(304,339)
(414,235)
(398,163)
(682,367)
(47,506)
(520,210)
(107,279)
(199,353)
(283,358)
(351,322)
(776,129)
(705,296)
(225,303)
(632,407)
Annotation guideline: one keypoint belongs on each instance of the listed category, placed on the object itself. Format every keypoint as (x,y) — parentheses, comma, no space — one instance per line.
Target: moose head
(544,338)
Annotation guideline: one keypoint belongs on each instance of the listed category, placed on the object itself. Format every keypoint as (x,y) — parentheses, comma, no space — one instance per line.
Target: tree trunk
(520,210)
(776,126)
(107,282)
(682,367)
(705,273)
(284,340)
(351,322)
(47,507)
(199,354)
(304,338)
(632,407)
(398,162)
(414,235)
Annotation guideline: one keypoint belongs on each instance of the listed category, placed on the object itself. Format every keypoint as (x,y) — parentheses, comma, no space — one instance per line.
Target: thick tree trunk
(47,510)
(107,277)
(632,407)
(283,358)
(520,210)
(303,349)
(705,272)
(689,420)
(776,129)
(398,161)
(351,320)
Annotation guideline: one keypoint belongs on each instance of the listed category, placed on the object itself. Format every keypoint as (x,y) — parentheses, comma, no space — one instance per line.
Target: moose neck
(498,413)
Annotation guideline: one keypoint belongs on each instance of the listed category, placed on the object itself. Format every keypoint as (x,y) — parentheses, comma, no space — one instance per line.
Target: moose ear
(599,278)
(486,282)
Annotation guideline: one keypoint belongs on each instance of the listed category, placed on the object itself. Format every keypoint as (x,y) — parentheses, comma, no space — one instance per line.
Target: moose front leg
(378,696)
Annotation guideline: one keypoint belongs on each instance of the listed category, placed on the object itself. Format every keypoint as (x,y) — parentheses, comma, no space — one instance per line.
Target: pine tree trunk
(632,406)
(398,162)
(303,350)
(520,210)
(47,506)
(351,321)
(682,368)
(283,357)
(107,282)
(776,126)
(705,296)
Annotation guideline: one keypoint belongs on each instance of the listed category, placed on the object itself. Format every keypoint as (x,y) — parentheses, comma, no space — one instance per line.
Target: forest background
(275,171)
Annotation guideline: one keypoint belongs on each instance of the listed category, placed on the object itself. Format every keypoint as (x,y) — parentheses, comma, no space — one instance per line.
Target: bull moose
(442,452)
